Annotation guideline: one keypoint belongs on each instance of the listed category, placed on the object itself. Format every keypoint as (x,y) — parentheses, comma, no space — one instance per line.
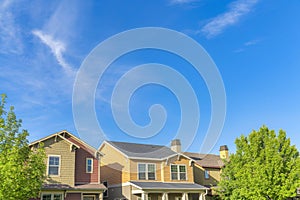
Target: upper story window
(53,165)
(146,171)
(89,165)
(206,174)
(178,172)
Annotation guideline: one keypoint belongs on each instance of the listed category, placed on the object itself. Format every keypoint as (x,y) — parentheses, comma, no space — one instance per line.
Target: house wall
(214,176)
(163,171)
(118,192)
(58,146)
(134,169)
(114,166)
(80,171)
(76,196)
(80,164)
(182,160)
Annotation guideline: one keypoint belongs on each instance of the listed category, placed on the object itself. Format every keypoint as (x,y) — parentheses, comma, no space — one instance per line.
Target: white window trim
(58,166)
(206,174)
(146,171)
(178,172)
(86,165)
(52,194)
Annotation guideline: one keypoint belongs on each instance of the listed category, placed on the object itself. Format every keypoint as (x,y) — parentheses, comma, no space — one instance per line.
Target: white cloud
(59,30)
(246,45)
(57,48)
(182,1)
(10,35)
(252,42)
(237,9)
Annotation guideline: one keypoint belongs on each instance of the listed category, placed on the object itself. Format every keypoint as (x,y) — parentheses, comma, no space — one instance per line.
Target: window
(174,172)
(182,172)
(142,171)
(89,197)
(178,172)
(146,171)
(206,174)
(151,172)
(52,197)
(89,165)
(46,197)
(53,165)
(57,197)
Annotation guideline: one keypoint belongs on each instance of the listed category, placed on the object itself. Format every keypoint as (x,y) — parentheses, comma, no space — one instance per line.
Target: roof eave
(54,135)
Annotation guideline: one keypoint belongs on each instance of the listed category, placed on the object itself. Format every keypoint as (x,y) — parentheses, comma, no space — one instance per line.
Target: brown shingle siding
(80,170)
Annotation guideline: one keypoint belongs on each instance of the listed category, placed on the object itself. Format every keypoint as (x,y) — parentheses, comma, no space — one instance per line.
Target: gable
(55,142)
(73,141)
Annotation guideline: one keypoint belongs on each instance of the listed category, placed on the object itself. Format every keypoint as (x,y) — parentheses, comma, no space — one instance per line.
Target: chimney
(224,153)
(176,145)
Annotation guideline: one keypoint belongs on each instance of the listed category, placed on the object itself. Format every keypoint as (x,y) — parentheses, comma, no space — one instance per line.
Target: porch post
(201,196)
(101,196)
(165,196)
(185,196)
(144,196)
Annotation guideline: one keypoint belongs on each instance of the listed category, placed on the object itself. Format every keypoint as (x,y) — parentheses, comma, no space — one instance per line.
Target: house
(209,166)
(73,169)
(142,171)
(207,171)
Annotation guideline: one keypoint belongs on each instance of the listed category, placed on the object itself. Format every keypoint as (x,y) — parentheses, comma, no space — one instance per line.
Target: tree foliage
(21,169)
(265,166)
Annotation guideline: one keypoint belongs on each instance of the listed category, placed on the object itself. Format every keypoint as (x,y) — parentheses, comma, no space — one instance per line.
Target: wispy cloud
(181,1)
(247,44)
(252,42)
(236,10)
(10,36)
(57,48)
(59,30)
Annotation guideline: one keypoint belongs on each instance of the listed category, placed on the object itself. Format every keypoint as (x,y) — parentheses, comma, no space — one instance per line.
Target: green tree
(265,166)
(21,169)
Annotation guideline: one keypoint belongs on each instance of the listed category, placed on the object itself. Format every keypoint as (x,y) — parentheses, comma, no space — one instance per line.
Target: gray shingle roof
(168,186)
(56,187)
(90,186)
(142,151)
(206,160)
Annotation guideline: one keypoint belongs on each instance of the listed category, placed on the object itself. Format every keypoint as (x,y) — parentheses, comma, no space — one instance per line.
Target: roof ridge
(138,143)
(201,153)
(142,151)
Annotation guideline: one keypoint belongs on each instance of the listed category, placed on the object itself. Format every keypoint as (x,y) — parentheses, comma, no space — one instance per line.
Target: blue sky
(254,43)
